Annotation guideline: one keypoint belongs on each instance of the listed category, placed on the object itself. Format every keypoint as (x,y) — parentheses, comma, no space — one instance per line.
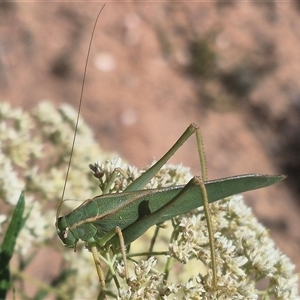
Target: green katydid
(116,220)
(134,211)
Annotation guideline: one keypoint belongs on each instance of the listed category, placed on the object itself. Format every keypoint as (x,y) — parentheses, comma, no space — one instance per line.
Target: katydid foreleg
(100,273)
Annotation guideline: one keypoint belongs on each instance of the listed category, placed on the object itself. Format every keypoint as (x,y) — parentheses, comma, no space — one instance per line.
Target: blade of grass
(9,242)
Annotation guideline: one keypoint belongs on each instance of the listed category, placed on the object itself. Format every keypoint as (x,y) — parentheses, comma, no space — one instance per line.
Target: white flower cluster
(34,153)
(169,175)
(113,175)
(145,284)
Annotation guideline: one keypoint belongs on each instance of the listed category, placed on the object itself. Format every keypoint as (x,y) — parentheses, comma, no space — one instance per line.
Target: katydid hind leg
(205,199)
(146,177)
(203,193)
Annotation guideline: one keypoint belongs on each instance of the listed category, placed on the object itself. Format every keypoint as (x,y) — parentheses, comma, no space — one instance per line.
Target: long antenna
(78,114)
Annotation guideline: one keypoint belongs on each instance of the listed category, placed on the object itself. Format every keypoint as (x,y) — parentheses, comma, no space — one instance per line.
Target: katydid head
(66,235)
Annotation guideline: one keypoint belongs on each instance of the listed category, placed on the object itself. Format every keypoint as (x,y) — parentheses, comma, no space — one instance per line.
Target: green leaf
(9,242)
